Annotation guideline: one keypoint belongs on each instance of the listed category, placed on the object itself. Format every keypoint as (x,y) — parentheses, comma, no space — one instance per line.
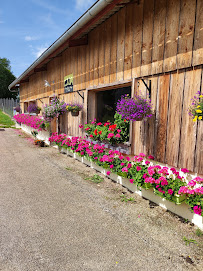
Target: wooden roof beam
(24,81)
(40,69)
(79,42)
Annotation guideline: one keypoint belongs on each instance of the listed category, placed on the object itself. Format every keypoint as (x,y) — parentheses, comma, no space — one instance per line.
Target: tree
(6,63)
(6,78)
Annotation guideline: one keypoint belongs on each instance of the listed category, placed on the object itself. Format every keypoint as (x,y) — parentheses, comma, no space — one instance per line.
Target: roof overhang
(76,35)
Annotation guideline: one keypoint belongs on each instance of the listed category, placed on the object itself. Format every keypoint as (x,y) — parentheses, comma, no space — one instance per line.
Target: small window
(107,101)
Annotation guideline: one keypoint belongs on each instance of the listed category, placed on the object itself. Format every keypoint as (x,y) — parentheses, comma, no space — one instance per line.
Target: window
(106,102)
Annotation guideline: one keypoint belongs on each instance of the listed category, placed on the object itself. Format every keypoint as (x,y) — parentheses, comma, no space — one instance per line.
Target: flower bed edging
(165,182)
(69,153)
(42,135)
(79,158)
(180,210)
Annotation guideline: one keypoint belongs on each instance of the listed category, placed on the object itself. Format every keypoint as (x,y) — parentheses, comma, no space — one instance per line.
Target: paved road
(51,219)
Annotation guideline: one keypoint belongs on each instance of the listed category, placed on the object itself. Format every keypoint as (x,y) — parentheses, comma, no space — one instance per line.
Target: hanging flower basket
(196,108)
(74,108)
(75,113)
(134,109)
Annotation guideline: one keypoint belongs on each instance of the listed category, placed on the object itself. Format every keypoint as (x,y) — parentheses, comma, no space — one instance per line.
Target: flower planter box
(113,177)
(44,135)
(63,150)
(27,129)
(79,158)
(100,169)
(147,186)
(178,199)
(17,125)
(75,114)
(87,162)
(70,153)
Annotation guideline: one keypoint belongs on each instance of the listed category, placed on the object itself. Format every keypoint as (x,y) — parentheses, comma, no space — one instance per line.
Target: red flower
(112,127)
(95,131)
(100,132)
(91,135)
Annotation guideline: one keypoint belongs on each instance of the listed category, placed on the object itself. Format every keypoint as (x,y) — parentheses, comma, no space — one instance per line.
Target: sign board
(68,83)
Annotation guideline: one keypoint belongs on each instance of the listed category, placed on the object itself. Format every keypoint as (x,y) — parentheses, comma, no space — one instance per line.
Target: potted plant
(55,109)
(17,109)
(134,109)
(33,108)
(74,108)
(196,108)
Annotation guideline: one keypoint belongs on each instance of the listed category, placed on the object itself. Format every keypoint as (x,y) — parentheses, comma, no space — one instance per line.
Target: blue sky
(28,27)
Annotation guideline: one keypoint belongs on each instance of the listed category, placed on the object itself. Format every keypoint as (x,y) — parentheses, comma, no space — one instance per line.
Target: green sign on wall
(68,83)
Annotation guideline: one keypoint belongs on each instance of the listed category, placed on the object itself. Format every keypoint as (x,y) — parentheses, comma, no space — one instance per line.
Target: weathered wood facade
(157,40)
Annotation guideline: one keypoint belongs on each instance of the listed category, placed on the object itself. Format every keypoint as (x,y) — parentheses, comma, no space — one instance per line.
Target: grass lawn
(5,121)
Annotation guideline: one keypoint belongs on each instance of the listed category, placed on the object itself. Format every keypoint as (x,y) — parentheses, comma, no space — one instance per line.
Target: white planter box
(63,150)
(113,177)
(87,162)
(79,158)
(182,210)
(27,129)
(17,125)
(44,135)
(69,153)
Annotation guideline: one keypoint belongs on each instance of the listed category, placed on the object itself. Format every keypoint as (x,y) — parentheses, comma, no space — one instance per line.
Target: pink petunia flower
(184,170)
(138,168)
(197,210)
(108,173)
(170,191)
(124,169)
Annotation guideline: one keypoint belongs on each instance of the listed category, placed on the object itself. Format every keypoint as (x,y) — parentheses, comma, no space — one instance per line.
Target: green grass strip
(5,121)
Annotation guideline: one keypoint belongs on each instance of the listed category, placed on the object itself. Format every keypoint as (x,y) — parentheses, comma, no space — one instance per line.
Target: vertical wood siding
(160,40)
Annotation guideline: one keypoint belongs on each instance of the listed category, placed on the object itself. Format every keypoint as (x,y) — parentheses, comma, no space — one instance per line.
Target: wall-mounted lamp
(46,83)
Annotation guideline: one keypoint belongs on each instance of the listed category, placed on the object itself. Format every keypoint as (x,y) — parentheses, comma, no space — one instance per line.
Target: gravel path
(53,218)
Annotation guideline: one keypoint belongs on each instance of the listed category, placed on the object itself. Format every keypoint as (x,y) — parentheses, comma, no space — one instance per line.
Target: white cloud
(30,38)
(82,5)
(39,50)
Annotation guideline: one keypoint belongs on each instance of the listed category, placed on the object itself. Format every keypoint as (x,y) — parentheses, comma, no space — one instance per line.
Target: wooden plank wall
(159,40)
(140,40)
(171,135)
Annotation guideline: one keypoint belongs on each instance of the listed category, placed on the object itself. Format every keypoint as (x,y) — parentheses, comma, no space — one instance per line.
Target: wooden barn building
(120,46)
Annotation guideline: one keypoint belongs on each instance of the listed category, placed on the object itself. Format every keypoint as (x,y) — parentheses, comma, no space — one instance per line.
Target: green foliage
(137,175)
(195,200)
(199,233)
(124,126)
(125,199)
(5,63)
(189,241)
(6,78)
(119,129)
(5,121)
(95,179)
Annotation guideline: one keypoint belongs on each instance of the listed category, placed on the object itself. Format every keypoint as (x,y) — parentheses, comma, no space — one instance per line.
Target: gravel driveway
(53,218)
